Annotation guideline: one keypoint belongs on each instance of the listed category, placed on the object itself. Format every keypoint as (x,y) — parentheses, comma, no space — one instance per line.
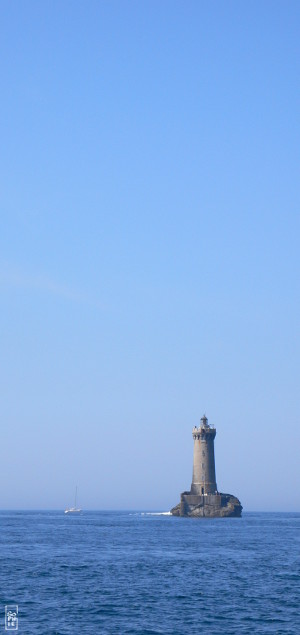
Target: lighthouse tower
(204,471)
(204,499)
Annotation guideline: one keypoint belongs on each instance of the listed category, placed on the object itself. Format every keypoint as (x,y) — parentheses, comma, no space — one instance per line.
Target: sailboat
(75,509)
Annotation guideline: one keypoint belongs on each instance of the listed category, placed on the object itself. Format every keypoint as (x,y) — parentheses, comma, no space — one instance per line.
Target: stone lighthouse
(204,471)
(203,499)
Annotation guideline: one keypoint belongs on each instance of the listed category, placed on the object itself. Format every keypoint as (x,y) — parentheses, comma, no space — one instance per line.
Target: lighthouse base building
(204,499)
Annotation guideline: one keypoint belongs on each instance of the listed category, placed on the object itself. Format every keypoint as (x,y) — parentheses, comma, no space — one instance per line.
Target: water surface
(113,573)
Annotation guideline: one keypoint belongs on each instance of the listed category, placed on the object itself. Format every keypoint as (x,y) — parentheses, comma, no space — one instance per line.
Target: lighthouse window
(202,466)
(203,453)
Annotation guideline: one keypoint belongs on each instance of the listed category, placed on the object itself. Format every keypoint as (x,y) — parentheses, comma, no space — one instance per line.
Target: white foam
(156,514)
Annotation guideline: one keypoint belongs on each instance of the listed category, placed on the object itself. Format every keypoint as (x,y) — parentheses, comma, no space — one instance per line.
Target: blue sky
(149,262)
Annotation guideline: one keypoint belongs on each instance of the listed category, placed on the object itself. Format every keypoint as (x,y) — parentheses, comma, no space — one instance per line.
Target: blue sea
(135,573)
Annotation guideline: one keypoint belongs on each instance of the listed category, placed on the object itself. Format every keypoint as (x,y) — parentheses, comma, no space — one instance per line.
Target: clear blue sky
(149,261)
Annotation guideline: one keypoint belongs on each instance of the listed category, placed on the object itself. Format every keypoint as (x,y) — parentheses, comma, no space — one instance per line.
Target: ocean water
(145,574)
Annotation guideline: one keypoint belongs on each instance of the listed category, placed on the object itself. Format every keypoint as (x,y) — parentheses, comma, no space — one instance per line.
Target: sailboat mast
(76,497)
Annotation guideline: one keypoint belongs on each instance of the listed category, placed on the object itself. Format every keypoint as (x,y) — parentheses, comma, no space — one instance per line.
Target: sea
(149,573)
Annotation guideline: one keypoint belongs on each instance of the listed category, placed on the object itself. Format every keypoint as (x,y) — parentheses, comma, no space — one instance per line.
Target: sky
(149,250)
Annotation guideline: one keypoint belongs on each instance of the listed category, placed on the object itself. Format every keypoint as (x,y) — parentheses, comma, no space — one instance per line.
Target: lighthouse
(204,499)
(204,471)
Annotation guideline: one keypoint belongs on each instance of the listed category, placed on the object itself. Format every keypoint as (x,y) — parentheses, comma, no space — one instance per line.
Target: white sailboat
(75,509)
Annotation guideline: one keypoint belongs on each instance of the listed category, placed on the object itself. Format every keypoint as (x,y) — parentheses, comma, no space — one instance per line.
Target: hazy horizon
(144,511)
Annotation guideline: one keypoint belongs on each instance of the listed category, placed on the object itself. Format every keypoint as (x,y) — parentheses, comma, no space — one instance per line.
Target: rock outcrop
(208,506)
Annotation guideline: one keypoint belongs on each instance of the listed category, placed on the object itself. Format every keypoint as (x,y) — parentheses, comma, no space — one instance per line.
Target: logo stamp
(11,617)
